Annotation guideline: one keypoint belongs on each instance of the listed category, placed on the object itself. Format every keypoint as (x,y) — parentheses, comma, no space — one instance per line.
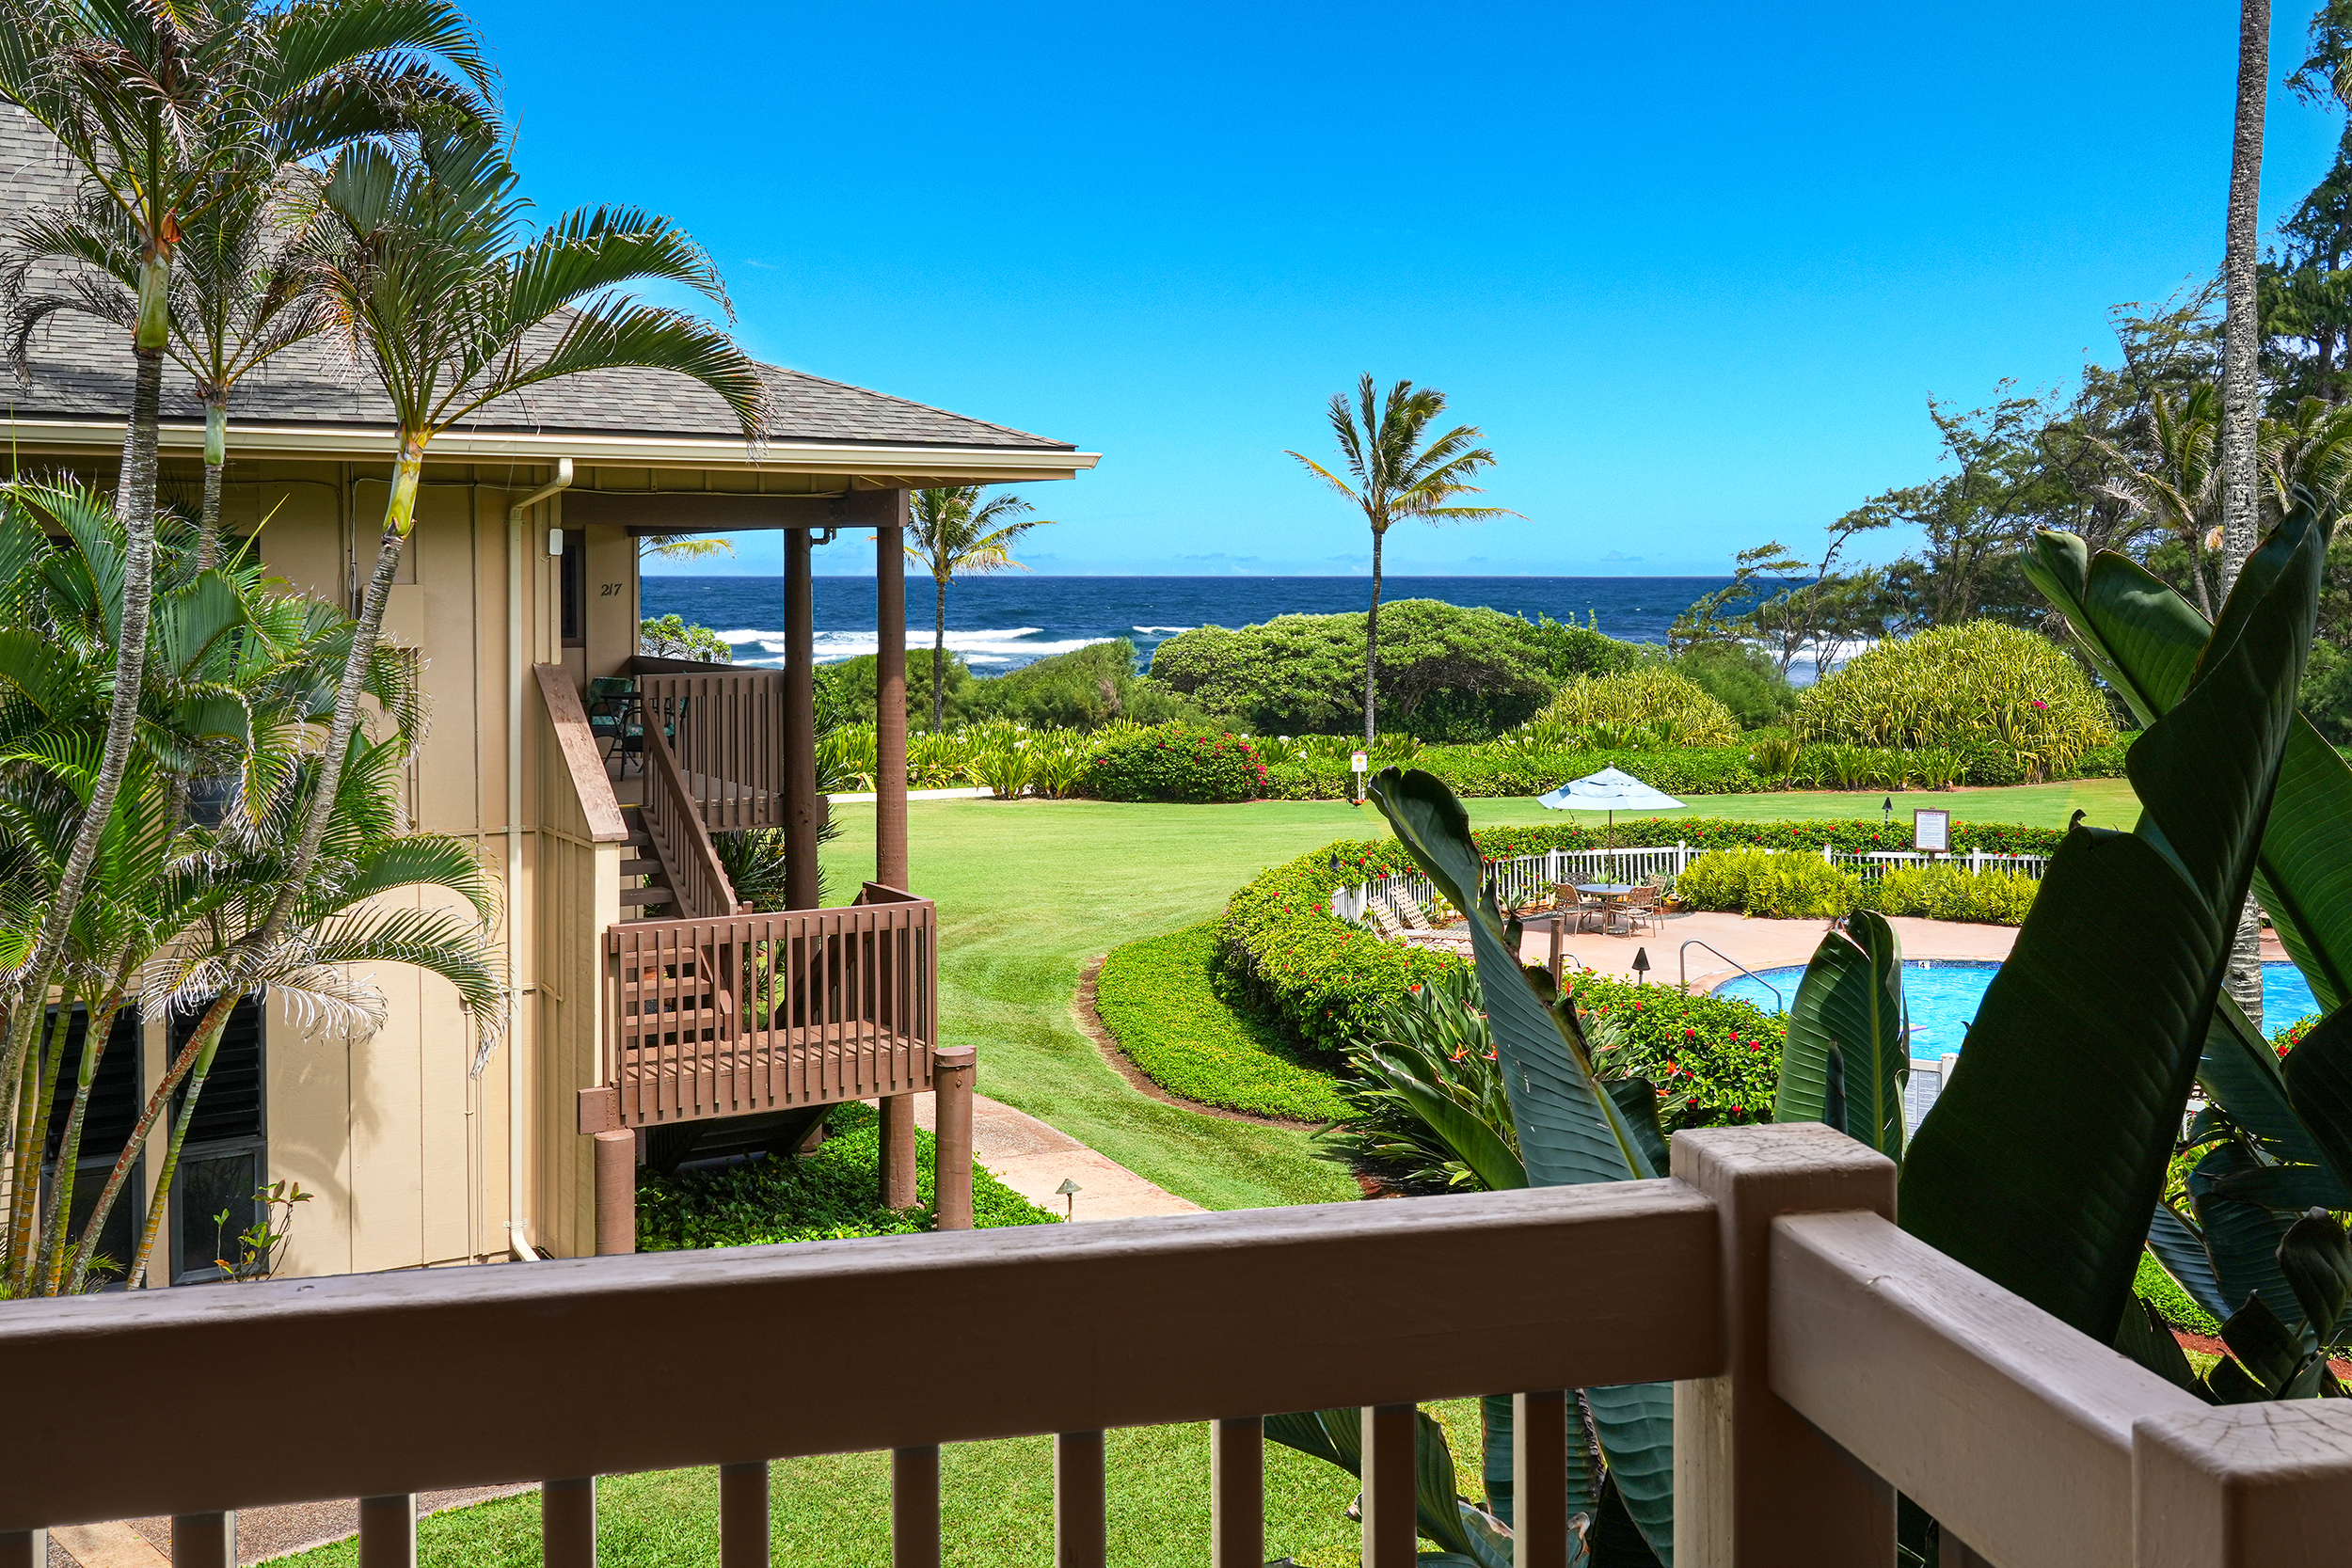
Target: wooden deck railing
(728,729)
(675,823)
(760,1012)
(1824,1359)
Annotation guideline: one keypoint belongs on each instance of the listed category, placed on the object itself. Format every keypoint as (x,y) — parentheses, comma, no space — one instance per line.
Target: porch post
(890,700)
(890,804)
(802,811)
(952,1072)
(616,1193)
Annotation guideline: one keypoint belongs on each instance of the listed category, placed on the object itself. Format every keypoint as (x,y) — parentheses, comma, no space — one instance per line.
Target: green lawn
(1028,890)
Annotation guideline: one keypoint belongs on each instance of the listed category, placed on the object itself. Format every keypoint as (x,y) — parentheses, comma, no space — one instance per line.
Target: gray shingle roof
(82,369)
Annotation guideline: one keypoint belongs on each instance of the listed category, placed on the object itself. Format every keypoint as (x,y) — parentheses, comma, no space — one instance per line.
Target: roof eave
(795,455)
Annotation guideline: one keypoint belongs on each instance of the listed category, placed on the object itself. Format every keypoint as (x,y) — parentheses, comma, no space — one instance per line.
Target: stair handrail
(688,860)
(1685,960)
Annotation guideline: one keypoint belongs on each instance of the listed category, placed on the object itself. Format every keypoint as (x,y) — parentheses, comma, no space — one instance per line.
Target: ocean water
(1003,621)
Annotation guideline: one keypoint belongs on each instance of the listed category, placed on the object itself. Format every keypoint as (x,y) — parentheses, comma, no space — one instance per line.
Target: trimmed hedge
(1715,1059)
(1158,999)
(827,1195)
(1777,885)
(1286,955)
(1175,762)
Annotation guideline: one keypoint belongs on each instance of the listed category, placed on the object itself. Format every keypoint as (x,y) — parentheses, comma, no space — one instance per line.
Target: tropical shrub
(827,1195)
(1743,678)
(1960,688)
(673,637)
(1446,672)
(1949,892)
(847,688)
(1761,882)
(1081,690)
(1175,762)
(1651,696)
(1714,1060)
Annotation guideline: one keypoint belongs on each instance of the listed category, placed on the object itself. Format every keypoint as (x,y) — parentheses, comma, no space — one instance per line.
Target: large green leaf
(2241,1074)
(2041,1164)
(2181,1249)
(1569,1130)
(2144,639)
(1477,1145)
(1460,1529)
(2318,1078)
(2241,1239)
(1636,1424)
(1849,1012)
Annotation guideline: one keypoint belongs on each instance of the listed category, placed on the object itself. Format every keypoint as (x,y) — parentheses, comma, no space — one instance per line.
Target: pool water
(1943,996)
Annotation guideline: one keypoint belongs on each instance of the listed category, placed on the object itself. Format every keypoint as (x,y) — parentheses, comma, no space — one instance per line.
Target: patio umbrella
(1613,790)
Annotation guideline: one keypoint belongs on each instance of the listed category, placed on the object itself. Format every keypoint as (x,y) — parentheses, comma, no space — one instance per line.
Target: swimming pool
(1943,993)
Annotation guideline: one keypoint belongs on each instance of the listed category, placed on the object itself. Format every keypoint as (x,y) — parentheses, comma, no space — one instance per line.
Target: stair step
(641,895)
(639,840)
(643,867)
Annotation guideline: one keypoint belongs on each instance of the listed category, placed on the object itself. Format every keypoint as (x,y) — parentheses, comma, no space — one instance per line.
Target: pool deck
(1767,943)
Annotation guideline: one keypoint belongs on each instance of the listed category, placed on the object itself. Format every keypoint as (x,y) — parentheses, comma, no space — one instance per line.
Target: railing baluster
(915,1508)
(1237,1492)
(203,1540)
(568,1522)
(388,1532)
(24,1548)
(1081,1502)
(1390,1481)
(743,1515)
(1539,1480)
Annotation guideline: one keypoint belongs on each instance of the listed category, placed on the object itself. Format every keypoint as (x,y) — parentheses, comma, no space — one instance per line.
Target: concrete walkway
(1034,1159)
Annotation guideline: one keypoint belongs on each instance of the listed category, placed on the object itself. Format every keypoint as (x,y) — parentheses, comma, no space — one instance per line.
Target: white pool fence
(1525,878)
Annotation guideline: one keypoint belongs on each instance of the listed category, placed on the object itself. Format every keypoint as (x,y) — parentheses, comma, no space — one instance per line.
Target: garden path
(1034,1160)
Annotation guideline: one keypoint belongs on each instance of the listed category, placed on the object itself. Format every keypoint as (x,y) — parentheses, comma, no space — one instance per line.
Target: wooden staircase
(646,891)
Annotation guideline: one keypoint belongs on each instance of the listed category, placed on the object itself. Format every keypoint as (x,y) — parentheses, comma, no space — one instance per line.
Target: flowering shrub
(1714,1059)
(2285,1039)
(1175,762)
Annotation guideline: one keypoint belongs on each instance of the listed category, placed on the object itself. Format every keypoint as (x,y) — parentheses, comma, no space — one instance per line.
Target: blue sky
(1694,271)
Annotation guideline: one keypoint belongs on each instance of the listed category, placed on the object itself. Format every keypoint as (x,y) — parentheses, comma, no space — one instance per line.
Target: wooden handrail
(1055,1328)
(726,730)
(599,810)
(688,856)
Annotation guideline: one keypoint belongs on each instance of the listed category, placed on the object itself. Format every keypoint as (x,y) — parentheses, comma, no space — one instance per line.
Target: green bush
(1081,690)
(1647,695)
(826,1196)
(1949,892)
(1715,1060)
(848,688)
(1446,672)
(1779,886)
(1158,999)
(673,637)
(1744,679)
(1174,761)
(1960,688)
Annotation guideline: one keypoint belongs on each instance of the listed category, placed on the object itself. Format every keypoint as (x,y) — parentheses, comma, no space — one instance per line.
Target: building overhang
(859,465)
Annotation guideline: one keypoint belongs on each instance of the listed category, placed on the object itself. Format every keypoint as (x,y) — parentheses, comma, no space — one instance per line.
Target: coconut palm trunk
(1371,638)
(215,460)
(32,1133)
(60,1215)
(939,653)
(2241,393)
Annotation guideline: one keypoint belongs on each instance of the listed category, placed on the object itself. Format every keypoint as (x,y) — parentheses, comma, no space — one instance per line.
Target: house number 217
(608,590)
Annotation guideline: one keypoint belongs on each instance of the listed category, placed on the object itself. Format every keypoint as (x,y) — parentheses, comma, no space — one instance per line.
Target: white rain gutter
(517,1227)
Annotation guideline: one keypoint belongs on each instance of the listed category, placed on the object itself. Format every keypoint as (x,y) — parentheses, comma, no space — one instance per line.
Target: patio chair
(1587,906)
(615,719)
(1639,908)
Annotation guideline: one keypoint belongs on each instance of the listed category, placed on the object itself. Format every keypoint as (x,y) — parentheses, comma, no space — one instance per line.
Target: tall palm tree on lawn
(954,530)
(1398,476)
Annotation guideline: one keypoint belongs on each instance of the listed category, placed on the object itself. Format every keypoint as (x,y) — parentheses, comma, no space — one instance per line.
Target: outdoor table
(1609,892)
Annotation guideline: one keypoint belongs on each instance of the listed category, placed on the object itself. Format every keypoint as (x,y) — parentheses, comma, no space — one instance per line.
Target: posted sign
(1360,763)
(1932,832)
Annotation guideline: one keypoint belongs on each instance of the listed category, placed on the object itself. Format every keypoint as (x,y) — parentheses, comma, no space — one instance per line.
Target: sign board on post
(1359,764)
(1932,832)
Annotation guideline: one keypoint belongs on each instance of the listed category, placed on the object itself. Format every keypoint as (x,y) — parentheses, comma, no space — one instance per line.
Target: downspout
(517,1227)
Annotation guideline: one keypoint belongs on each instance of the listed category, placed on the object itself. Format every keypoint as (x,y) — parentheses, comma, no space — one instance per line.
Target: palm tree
(2181,491)
(954,530)
(235,301)
(167,110)
(430,283)
(2241,391)
(1398,476)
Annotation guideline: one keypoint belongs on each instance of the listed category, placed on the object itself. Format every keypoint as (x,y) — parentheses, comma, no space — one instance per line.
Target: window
(113,1109)
(574,569)
(227,1156)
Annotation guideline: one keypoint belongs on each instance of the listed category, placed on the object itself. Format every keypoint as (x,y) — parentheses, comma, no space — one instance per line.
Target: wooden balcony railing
(1824,1358)
(731,1016)
(727,728)
(674,821)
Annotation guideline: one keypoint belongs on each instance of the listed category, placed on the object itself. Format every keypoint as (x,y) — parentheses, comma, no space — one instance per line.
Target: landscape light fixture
(1887,811)
(1069,1190)
(1641,966)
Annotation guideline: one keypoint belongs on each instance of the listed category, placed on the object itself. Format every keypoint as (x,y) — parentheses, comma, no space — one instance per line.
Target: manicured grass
(1029,890)
(831,1194)
(996,1509)
(1156,998)
(2174,1304)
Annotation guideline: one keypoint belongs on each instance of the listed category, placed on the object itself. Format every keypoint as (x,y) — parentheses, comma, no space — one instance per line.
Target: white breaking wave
(1161,631)
(987,647)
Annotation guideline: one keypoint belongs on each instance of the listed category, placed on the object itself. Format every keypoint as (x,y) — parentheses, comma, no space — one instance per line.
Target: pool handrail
(1685,960)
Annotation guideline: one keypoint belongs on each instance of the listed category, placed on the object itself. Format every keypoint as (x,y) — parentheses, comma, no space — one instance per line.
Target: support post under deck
(890,806)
